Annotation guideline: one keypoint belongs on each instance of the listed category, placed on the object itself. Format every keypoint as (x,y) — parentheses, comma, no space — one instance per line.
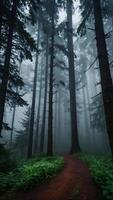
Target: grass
(101,169)
(30,173)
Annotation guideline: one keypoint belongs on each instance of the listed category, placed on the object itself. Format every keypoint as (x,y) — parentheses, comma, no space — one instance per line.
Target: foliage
(6,163)
(102,171)
(21,139)
(97,113)
(23,44)
(29,173)
(86,7)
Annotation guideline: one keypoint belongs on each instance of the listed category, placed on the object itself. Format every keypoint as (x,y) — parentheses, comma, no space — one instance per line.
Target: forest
(56,100)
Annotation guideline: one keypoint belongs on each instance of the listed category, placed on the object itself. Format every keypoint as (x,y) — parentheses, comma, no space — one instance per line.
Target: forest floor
(72,183)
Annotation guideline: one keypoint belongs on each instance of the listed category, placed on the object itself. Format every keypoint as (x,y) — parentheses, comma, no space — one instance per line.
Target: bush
(6,163)
(102,172)
(34,171)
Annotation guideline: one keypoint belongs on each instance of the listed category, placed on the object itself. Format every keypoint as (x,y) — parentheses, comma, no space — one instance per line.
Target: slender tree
(3,88)
(14,38)
(56,121)
(21,138)
(31,128)
(50,114)
(74,132)
(14,112)
(1,15)
(38,112)
(106,80)
(45,98)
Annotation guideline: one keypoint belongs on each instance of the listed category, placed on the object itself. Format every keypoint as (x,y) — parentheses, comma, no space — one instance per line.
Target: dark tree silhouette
(50,114)
(38,114)
(45,99)
(106,80)
(3,88)
(74,132)
(31,128)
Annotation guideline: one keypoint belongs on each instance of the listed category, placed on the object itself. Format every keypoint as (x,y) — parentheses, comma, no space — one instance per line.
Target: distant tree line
(17,44)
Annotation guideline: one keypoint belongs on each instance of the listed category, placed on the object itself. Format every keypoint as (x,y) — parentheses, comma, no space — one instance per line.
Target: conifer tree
(3,88)
(45,98)
(31,128)
(74,131)
(50,112)
(106,80)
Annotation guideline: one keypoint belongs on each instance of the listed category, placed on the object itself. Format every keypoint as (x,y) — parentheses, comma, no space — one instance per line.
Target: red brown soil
(73,179)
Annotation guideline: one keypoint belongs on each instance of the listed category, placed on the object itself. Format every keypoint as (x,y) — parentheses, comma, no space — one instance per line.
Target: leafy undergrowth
(102,172)
(30,173)
(6,163)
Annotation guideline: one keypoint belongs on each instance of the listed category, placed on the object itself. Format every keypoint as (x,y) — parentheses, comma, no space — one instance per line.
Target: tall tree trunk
(38,114)
(59,112)
(50,114)
(59,120)
(12,125)
(3,88)
(1,15)
(74,132)
(14,111)
(31,128)
(106,80)
(55,122)
(87,133)
(45,99)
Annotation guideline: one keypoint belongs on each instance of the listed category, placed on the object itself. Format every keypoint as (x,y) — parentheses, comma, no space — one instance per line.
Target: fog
(92,133)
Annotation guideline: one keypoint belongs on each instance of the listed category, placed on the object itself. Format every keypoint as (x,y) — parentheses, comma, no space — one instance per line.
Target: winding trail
(72,183)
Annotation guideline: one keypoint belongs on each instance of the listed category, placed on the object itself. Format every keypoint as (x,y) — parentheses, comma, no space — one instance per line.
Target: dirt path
(73,183)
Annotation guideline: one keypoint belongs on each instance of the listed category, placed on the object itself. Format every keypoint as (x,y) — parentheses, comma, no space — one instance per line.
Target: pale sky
(76,14)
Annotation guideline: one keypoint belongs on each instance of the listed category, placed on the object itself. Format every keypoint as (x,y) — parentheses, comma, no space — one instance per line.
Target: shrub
(101,169)
(34,171)
(6,163)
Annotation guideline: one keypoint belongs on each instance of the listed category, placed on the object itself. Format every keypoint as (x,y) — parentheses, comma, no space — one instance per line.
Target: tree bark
(50,114)
(56,121)
(38,115)
(3,88)
(106,80)
(31,128)
(13,117)
(1,15)
(74,132)
(12,126)
(45,100)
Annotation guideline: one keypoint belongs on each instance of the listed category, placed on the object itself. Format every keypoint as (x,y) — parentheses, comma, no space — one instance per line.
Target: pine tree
(38,113)
(1,15)
(106,80)
(50,112)
(21,139)
(3,88)
(45,98)
(13,116)
(13,38)
(31,128)
(74,137)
